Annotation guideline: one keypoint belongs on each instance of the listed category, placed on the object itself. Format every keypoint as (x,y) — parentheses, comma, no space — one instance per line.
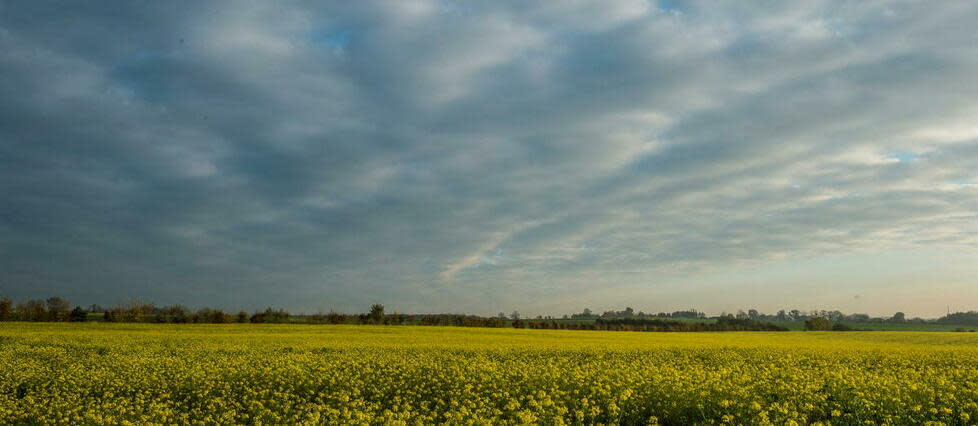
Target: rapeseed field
(275,374)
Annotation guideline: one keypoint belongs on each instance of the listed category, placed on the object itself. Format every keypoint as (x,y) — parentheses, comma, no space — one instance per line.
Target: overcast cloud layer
(488,156)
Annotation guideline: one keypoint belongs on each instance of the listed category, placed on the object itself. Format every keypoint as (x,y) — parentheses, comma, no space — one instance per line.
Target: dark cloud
(465,156)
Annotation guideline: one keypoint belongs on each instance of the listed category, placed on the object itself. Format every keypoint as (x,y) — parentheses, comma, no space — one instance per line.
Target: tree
(515,316)
(173,313)
(753,314)
(587,312)
(962,318)
(32,310)
(818,324)
(134,310)
(377,313)
(6,309)
(899,317)
(783,316)
(58,308)
(78,315)
(208,315)
(270,316)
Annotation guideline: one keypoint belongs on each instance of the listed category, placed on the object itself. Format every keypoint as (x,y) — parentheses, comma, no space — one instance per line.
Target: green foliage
(725,323)
(270,316)
(841,327)
(377,313)
(6,309)
(57,309)
(32,310)
(960,318)
(818,324)
(78,315)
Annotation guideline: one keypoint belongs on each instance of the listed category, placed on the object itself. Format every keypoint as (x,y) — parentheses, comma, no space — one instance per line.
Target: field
(237,373)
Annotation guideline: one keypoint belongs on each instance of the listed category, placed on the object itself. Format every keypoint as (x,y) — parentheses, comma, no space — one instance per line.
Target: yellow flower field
(236,373)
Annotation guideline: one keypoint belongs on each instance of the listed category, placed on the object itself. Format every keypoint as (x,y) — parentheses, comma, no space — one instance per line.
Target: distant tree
(6,309)
(841,327)
(629,312)
(377,313)
(208,315)
(899,317)
(270,316)
(587,312)
(78,315)
(242,317)
(58,309)
(515,316)
(501,316)
(174,313)
(691,313)
(783,316)
(32,310)
(135,310)
(818,324)
(963,318)
(335,318)
(753,314)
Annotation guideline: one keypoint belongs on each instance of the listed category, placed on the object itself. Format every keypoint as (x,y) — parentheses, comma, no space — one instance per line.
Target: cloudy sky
(490,156)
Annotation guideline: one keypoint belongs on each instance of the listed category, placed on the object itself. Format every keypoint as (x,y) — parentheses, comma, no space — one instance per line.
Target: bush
(818,324)
(841,327)
(78,315)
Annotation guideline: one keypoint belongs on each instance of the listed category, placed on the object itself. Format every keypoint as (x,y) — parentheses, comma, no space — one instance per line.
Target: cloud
(453,156)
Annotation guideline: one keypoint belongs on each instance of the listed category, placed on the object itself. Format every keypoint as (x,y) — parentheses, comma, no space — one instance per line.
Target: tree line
(56,309)
(793,315)
(59,309)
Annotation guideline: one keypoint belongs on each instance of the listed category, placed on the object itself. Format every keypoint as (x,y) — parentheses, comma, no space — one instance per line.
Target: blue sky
(489,156)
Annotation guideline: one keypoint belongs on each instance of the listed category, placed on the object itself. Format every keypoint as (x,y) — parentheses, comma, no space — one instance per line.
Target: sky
(472,156)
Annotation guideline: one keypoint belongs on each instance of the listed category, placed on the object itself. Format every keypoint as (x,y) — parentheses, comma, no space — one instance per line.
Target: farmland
(267,373)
